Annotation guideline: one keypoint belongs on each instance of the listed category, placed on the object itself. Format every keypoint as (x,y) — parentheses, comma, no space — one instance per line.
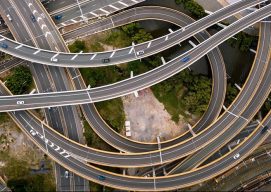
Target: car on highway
(33,132)
(236,156)
(20,102)
(140,53)
(53,59)
(58,17)
(106,60)
(101,177)
(264,129)
(9,17)
(185,59)
(66,174)
(4,45)
(33,18)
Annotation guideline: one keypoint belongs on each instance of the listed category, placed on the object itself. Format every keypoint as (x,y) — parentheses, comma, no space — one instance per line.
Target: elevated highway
(207,135)
(62,154)
(64,119)
(217,97)
(120,55)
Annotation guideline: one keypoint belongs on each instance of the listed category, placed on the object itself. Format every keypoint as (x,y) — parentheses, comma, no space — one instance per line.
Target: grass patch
(96,47)
(102,75)
(118,38)
(184,92)
(20,80)
(112,112)
(170,98)
(78,46)
(93,140)
(4,117)
(19,177)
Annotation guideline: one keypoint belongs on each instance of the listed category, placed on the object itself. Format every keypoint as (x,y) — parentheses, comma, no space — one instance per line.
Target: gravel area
(149,118)
(16,143)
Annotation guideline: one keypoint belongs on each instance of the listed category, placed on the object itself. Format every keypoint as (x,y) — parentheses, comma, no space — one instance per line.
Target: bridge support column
(131,76)
(191,130)
(237,86)
(163,60)
(192,43)
(33,91)
(253,51)
(159,147)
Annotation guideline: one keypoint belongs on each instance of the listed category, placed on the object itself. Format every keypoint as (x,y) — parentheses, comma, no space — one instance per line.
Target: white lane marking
(123,3)
(39,18)
(74,57)
(76,76)
(96,15)
(166,38)
(73,20)
(47,33)
(56,149)
(154,175)
(114,7)
(131,50)
(62,152)
(42,26)
(36,52)
(112,54)
(112,21)
(51,145)
(19,46)
(54,56)
(2,39)
(237,115)
(89,94)
(149,44)
(35,11)
(66,156)
(135,1)
(45,140)
(93,56)
(260,123)
(104,11)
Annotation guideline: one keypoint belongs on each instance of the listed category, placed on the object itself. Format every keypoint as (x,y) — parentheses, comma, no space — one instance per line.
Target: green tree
(20,80)
(193,7)
(136,33)
(142,36)
(78,46)
(198,94)
(243,41)
(231,93)
(131,29)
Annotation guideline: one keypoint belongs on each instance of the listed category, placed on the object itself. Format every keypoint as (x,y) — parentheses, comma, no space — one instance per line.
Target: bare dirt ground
(149,118)
(16,143)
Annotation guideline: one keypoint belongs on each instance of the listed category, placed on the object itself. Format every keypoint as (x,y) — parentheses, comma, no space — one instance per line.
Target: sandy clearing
(149,118)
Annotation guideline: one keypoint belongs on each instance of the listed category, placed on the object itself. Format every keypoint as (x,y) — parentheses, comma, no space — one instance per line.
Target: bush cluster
(20,80)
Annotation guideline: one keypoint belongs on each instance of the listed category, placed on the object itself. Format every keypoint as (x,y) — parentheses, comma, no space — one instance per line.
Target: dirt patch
(16,143)
(149,118)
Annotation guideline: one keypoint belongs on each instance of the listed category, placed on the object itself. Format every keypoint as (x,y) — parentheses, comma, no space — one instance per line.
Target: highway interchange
(73,155)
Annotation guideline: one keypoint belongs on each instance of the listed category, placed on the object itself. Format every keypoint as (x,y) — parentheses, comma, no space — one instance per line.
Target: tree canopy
(20,80)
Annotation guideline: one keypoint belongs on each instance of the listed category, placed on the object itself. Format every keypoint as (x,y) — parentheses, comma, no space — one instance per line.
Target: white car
(33,132)
(139,53)
(9,17)
(66,174)
(236,156)
(54,59)
(20,102)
